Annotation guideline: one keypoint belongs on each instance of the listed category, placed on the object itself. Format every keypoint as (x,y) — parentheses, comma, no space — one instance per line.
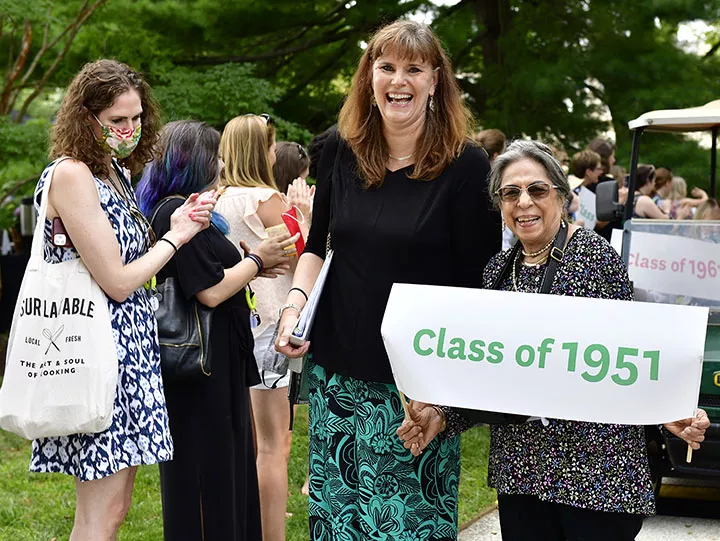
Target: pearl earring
(431,103)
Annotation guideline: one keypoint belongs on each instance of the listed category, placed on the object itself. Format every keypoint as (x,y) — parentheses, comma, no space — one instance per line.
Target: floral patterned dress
(139,432)
(364,485)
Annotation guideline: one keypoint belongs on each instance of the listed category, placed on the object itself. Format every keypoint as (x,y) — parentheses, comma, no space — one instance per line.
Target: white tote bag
(61,368)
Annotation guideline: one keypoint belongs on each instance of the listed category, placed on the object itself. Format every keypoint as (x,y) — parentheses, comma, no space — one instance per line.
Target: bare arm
(74,198)
(270,211)
(649,209)
(270,214)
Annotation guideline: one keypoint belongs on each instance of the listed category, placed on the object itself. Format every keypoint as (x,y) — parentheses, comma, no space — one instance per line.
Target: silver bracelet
(290,305)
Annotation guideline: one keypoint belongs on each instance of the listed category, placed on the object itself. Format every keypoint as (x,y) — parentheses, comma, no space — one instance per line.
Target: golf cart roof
(705,117)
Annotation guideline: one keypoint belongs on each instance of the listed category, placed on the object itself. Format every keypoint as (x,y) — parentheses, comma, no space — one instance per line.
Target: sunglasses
(537,192)
(268,119)
(302,153)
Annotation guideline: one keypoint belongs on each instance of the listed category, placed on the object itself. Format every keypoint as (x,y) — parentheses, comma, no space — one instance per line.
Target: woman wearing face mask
(98,127)
(408,193)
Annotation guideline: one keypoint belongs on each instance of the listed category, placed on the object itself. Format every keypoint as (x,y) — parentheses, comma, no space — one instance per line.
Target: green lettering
(416,342)
(624,364)
(457,351)
(495,355)
(543,350)
(654,357)
(571,348)
(478,354)
(602,364)
(530,355)
(441,343)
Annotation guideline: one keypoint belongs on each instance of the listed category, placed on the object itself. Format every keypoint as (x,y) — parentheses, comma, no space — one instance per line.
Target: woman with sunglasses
(254,208)
(556,480)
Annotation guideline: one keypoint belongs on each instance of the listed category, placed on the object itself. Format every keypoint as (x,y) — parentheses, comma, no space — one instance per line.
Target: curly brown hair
(447,126)
(93,90)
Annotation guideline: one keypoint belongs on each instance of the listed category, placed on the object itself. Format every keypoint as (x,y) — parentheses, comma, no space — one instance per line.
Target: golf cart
(677,262)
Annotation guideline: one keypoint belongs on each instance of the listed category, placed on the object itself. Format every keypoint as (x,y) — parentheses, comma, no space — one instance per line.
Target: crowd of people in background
(226,215)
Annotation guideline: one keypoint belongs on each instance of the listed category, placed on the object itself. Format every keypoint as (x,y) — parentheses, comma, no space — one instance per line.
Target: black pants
(527,518)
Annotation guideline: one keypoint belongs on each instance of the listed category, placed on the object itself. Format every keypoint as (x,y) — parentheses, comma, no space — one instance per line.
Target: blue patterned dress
(139,432)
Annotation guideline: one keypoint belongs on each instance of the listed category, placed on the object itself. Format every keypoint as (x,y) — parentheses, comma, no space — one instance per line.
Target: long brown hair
(291,159)
(93,90)
(447,126)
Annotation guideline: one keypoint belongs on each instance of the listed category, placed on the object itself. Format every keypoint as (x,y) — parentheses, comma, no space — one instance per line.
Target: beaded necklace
(540,251)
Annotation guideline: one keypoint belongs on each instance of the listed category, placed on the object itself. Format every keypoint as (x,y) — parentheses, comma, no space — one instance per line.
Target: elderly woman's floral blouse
(594,466)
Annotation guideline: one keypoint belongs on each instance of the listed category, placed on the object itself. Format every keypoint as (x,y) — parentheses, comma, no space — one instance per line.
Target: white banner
(621,362)
(587,208)
(673,264)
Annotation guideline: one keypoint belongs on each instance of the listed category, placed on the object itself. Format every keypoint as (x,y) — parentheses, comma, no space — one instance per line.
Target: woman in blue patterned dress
(556,480)
(98,127)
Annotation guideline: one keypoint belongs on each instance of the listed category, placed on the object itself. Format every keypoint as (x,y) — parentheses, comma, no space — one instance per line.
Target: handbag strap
(333,177)
(160,205)
(557,251)
(556,254)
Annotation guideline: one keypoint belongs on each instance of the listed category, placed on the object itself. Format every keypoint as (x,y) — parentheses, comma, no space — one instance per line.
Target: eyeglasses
(266,117)
(302,153)
(537,192)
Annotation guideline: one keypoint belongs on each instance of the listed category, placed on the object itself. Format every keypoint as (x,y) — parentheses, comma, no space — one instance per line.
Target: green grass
(39,507)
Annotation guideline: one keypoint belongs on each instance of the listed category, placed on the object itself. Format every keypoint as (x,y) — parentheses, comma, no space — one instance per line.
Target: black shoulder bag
(556,254)
(183,328)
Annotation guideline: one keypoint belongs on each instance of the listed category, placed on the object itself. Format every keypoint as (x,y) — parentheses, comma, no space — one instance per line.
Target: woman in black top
(408,193)
(209,489)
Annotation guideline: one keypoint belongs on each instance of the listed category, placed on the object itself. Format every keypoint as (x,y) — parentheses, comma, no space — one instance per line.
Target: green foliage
(214,95)
(220,93)
(561,70)
(682,155)
(23,157)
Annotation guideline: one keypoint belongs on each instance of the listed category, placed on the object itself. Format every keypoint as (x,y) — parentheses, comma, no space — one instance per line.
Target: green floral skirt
(364,485)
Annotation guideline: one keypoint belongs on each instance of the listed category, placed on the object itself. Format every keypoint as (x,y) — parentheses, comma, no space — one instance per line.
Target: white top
(239,206)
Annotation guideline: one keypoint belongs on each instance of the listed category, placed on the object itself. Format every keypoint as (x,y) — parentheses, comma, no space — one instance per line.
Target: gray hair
(536,151)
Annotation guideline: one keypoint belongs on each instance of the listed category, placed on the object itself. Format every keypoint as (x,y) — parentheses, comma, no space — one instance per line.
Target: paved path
(659,528)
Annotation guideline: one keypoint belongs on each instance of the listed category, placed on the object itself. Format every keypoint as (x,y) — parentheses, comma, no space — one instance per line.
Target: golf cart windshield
(675,261)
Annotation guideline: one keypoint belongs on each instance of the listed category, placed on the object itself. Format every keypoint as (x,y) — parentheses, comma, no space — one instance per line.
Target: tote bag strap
(36,252)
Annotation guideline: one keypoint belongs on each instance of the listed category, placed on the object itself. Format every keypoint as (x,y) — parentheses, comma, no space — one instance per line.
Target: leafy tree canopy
(562,70)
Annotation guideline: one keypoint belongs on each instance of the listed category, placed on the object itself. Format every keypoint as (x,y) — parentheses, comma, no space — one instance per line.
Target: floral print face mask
(117,141)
